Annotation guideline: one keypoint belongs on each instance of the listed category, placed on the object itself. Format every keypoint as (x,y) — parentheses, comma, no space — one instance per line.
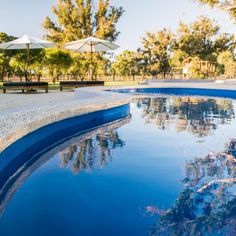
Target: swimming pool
(156,173)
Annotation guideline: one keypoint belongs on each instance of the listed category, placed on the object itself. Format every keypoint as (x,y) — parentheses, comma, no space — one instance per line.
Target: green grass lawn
(52,86)
(122,83)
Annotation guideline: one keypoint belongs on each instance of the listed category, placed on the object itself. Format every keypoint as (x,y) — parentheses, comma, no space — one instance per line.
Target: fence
(75,77)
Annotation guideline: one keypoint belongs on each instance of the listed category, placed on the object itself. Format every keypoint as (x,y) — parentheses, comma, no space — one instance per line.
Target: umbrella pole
(28,59)
(91,60)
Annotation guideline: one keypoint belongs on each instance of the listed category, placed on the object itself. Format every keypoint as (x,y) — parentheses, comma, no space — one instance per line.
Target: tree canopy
(5,37)
(126,64)
(156,51)
(162,51)
(21,65)
(228,6)
(76,19)
(202,39)
(5,55)
(57,61)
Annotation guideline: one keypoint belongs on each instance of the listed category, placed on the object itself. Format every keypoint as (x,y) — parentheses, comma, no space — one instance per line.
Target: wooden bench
(25,86)
(78,84)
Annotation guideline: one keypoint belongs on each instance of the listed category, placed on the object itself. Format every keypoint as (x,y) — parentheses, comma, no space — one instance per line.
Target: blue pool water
(133,177)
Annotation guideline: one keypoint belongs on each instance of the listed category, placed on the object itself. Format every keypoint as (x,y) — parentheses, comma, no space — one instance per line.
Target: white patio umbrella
(92,45)
(28,43)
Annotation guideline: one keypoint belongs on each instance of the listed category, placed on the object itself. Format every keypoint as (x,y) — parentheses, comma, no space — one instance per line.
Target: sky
(19,17)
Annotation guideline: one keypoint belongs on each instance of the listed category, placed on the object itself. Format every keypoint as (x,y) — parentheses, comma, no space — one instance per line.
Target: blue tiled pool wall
(20,152)
(222,93)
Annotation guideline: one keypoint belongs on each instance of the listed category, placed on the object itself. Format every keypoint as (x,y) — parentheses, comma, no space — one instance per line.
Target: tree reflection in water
(199,116)
(79,152)
(207,204)
(91,153)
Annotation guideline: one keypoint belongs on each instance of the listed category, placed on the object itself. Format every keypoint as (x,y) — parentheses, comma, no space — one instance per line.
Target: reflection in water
(207,204)
(80,151)
(199,116)
(91,153)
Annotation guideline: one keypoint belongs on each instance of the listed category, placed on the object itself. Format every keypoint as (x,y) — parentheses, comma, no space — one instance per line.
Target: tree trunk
(26,76)
(1,75)
(133,77)
(39,77)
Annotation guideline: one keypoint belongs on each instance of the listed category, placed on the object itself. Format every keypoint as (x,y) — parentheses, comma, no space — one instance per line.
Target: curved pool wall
(39,141)
(221,93)
(17,180)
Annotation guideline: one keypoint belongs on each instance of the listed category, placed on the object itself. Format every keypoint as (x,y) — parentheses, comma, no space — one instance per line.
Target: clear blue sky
(19,17)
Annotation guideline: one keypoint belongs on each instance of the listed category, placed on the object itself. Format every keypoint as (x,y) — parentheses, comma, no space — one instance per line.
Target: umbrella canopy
(26,42)
(91,44)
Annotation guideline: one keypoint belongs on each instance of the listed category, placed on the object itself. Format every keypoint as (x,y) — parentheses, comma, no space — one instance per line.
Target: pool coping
(181,91)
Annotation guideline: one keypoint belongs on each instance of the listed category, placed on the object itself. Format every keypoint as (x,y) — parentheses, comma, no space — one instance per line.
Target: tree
(157,51)
(177,58)
(228,6)
(5,37)
(5,55)
(200,42)
(127,64)
(79,66)
(21,64)
(37,67)
(57,61)
(76,19)
(202,39)
(3,64)
(227,61)
(101,66)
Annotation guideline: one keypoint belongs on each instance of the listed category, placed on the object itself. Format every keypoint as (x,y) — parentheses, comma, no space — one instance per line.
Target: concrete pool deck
(23,113)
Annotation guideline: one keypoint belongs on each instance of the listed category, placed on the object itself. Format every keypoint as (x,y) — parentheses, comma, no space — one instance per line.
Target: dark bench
(77,84)
(25,86)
